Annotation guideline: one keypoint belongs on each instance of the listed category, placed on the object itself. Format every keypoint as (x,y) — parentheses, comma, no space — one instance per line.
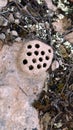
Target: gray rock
(11,18)
(3,3)
(18,39)
(17,15)
(14,33)
(17,21)
(20,85)
(1,20)
(2,36)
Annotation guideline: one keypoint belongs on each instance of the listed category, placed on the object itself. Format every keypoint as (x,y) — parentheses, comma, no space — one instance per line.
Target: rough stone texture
(50,5)
(3,3)
(20,84)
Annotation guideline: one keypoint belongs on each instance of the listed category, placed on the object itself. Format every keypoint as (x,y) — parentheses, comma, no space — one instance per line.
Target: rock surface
(3,3)
(19,88)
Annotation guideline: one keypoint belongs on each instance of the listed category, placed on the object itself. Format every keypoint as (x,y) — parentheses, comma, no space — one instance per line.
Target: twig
(53,120)
(67,81)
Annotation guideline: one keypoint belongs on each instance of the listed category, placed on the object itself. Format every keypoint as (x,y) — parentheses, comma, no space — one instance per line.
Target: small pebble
(17,21)
(18,15)
(14,33)
(3,3)
(11,18)
(1,20)
(55,65)
(2,36)
(5,23)
(18,39)
(58,125)
(12,9)
(8,31)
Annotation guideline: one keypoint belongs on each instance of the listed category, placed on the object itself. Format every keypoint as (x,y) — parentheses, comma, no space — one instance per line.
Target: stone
(18,15)
(3,3)
(2,36)
(18,39)
(23,69)
(11,18)
(14,33)
(17,21)
(55,65)
(69,37)
(2,20)
(50,5)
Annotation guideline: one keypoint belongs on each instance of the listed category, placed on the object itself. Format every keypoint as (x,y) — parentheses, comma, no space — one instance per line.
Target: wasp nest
(35,58)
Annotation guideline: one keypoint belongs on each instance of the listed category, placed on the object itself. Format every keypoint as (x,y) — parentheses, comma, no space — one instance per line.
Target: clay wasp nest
(35,58)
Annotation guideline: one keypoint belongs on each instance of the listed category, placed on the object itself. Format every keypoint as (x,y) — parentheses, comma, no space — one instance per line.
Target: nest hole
(29,53)
(49,50)
(40,59)
(37,45)
(44,65)
(36,53)
(31,67)
(29,46)
(34,60)
(25,61)
(47,57)
(42,52)
(38,66)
